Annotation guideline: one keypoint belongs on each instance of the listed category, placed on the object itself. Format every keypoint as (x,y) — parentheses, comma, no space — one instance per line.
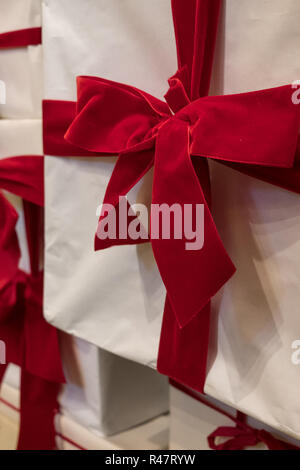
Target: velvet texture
(21,38)
(30,342)
(255,132)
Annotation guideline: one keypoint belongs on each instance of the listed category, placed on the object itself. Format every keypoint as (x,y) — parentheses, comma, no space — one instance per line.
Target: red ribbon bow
(259,128)
(114,118)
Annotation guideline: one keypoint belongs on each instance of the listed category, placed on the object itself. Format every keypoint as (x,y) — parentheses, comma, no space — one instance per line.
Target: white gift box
(113,298)
(257,314)
(105,393)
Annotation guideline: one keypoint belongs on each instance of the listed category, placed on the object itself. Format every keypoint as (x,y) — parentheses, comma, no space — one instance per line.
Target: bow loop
(113,118)
(260,127)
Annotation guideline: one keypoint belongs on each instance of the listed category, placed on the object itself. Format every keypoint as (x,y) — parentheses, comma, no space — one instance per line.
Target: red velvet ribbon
(30,341)
(21,38)
(241,435)
(249,130)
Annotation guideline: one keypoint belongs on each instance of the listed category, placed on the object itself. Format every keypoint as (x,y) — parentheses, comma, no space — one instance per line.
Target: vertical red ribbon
(183,351)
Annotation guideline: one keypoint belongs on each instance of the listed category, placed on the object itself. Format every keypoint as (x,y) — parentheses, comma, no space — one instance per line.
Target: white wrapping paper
(19,14)
(113,298)
(21,71)
(257,314)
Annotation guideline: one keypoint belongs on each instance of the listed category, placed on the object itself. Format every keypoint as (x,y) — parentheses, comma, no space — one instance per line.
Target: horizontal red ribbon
(21,38)
(110,117)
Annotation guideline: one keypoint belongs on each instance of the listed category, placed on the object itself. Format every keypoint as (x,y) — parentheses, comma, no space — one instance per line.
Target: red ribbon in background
(30,341)
(241,435)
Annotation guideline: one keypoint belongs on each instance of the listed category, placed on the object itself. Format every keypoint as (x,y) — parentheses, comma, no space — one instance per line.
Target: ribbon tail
(38,408)
(183,352)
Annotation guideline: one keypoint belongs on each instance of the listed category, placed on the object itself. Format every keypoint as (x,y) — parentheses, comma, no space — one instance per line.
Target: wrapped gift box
(19,14)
